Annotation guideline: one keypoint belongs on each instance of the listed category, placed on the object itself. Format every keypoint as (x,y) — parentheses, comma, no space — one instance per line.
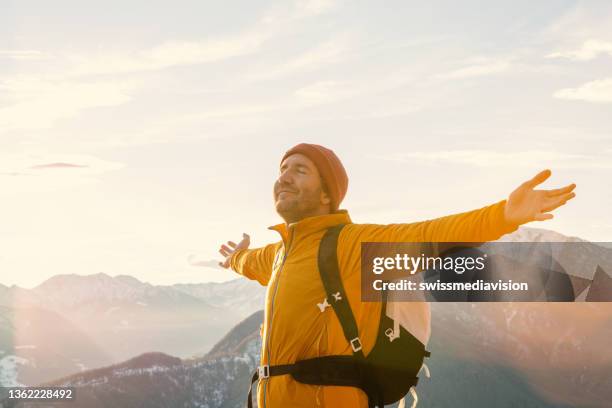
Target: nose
(285,177)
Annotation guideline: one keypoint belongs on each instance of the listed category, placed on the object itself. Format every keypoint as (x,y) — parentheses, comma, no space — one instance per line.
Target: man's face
(298,192)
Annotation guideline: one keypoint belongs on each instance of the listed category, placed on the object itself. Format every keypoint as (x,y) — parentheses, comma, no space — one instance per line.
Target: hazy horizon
(607,245)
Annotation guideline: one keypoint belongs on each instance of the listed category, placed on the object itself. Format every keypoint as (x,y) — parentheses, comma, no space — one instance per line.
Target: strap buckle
(356,344)
(263,371)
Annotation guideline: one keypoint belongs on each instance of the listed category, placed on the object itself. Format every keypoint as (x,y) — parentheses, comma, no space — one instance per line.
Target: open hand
(526,204)
(231,247)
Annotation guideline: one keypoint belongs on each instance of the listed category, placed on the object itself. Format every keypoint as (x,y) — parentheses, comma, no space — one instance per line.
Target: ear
(325,199)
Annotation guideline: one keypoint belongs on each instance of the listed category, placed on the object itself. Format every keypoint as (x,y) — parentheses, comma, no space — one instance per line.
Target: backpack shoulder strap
(334,289)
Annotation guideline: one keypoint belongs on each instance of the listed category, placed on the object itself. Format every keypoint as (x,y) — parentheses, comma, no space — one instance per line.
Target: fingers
(538,178)
(559,198)
(559,191)
(225,250)
(230,248)
(552,203)
(543,217)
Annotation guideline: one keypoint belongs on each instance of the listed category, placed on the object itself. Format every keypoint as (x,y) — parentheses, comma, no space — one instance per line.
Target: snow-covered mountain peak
(528,234)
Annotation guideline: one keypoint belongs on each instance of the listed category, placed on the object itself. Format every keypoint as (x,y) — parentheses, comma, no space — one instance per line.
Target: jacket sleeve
(256,263)
(481,225)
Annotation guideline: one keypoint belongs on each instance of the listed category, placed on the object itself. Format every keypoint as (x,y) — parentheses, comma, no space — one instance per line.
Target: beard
(298,204)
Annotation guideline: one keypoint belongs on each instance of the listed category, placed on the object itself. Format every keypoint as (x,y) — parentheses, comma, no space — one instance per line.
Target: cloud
(315,7)
(581,22)
(391,111)
(67,85)
(30,163)
(477,68)
(488,158)
(57,166)
(27,55)
(330,52)
(290,12)
(224,119)
(180,53)
(169,54)
(207,263)
(589,50)
(599,91)
(323,92)
(50,172)
(41,103)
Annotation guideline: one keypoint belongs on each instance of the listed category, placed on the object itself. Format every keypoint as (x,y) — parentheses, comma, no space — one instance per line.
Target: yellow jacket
(294,326)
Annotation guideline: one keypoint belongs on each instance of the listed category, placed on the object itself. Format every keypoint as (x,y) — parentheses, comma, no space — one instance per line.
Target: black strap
(336,296)
(254,378)
(345,371)
(271,372)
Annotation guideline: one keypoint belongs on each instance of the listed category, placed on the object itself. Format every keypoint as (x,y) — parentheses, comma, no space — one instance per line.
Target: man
(310,187)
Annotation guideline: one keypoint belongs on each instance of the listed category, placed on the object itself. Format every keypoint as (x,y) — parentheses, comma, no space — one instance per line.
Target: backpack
(387,373)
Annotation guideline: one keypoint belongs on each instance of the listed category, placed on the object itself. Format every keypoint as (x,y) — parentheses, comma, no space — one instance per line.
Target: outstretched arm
(525,204)
(253,263)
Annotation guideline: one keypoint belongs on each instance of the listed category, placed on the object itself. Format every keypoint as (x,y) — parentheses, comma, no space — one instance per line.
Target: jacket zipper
(269,331)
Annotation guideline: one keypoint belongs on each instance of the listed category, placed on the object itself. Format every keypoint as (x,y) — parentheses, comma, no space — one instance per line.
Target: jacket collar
(311,224)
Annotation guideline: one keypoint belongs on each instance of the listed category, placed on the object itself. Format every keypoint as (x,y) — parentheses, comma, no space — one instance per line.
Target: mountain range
(468,368)
(71,323)
(86,330)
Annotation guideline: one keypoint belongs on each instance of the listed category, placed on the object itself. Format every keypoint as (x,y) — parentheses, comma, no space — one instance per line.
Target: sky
(137,136)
